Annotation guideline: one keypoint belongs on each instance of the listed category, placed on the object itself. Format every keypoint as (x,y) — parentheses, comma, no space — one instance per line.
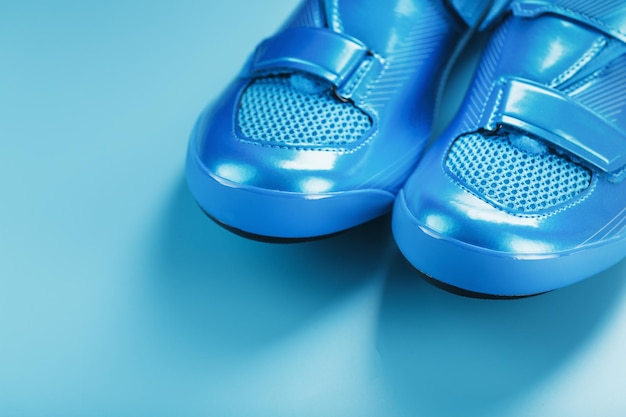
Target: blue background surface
(118,297)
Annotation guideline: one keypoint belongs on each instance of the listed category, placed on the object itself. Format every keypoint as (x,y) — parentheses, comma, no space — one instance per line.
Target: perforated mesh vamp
(515,173)
(299,110)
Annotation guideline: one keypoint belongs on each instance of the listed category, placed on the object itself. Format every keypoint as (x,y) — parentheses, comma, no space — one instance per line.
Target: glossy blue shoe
(525,191)
(328,117)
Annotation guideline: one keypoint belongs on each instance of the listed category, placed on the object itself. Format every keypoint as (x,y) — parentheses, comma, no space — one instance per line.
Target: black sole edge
(439,284)
(269,239)
(472,294)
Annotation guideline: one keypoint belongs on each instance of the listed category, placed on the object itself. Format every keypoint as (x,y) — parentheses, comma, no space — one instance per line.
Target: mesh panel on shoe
(299,110)
(522,179)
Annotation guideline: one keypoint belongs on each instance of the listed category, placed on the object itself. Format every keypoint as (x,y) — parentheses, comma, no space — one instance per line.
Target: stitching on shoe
(357,78)
(580,63)
(498,84)
(497,110)
(339,150)
(593,19)
(336,18)
(595,75)
(548,9)
(372,84)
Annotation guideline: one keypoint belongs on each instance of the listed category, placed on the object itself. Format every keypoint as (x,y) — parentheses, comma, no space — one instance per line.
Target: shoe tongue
(527,144)
(306,84)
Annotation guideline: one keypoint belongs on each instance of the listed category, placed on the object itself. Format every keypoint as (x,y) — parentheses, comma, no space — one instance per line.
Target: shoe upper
(535,161)
(340,98)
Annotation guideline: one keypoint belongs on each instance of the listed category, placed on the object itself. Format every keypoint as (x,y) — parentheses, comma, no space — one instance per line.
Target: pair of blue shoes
(328,124)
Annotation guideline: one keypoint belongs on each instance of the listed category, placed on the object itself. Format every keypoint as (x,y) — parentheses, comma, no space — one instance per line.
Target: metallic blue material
(387,58)
(608,16)
(556,77)
(479,12)
(515,102)
(298,49)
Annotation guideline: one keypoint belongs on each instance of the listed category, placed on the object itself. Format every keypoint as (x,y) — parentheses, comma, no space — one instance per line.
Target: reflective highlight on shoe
(524,193)
(326,120)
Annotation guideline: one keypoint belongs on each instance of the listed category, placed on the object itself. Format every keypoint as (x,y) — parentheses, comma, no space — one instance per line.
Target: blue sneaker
(328,117)
(524,192)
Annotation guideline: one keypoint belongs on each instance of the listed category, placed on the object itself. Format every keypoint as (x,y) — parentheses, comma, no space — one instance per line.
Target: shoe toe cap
(442,206)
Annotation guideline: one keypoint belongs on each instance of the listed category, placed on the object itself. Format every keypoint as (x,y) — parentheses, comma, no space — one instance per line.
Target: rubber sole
(489,273)
(471,294)
(272,215)
(268,239)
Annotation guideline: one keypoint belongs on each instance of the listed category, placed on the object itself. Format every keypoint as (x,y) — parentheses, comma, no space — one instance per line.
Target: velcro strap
(607,16)
(558,119)
(336,57)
